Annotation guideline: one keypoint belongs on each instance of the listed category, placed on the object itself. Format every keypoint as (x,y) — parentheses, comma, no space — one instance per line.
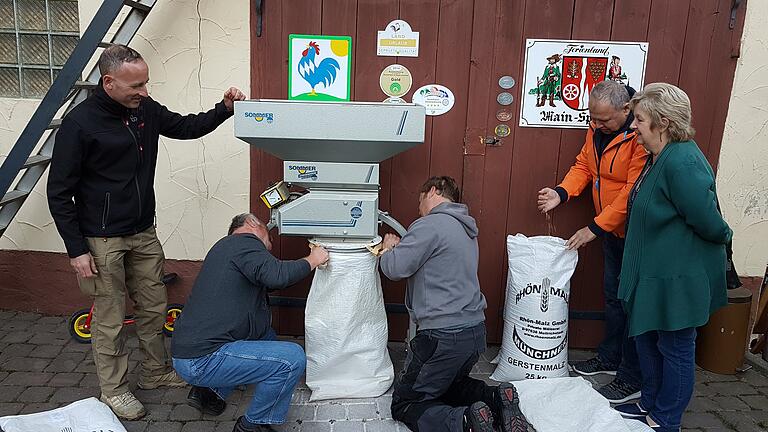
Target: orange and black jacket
(611,176)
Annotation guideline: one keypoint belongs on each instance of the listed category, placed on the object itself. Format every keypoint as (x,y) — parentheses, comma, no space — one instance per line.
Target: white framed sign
(559,75)
(319,67)
(397,39)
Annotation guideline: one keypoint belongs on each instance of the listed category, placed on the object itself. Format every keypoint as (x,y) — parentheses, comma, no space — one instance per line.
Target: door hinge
(259,5)
(734,9)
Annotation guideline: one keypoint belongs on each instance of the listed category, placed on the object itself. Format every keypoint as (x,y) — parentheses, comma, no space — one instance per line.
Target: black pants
(435,388)
(617,349)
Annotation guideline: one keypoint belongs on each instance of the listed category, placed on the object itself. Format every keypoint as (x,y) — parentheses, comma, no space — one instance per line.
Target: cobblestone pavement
(42,368)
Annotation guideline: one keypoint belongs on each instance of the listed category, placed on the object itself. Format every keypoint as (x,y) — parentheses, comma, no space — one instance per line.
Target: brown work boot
(125,406)
(551,100)
(170,379)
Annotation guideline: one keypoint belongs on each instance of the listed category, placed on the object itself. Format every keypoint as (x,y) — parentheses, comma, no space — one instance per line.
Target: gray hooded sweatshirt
(439,256)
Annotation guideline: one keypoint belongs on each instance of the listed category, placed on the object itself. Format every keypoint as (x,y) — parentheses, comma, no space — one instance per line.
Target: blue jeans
(275,367)
(667,361)
(616,350)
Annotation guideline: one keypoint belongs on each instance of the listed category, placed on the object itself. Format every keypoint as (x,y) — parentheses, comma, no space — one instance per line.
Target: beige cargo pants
(133,265)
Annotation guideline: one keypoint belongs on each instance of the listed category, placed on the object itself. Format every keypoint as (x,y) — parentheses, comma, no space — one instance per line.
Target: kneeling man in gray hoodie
(439,257)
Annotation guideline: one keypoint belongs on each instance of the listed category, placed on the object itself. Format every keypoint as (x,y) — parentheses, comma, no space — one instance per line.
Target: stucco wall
(195,50)
(743,171)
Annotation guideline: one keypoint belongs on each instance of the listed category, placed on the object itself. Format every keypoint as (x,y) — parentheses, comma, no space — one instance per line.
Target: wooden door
(467,45)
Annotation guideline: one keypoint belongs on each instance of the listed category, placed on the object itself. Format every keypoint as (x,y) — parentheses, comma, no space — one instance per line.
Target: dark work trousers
(435,388)
(617,350)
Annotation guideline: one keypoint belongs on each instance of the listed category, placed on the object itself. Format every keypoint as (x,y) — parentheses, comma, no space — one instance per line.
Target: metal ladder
(66,89)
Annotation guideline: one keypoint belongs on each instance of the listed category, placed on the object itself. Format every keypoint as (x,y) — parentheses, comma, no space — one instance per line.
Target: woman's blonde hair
(662,100)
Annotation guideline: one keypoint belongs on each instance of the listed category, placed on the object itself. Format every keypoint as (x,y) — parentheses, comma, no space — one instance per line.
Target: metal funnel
(330,131)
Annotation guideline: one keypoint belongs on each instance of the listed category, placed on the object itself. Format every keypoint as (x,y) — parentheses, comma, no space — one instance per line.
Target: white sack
(346,328)
(85,415)
(535,340)
(570,405)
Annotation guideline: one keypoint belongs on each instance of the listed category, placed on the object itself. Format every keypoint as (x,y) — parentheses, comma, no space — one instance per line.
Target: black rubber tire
(75,325)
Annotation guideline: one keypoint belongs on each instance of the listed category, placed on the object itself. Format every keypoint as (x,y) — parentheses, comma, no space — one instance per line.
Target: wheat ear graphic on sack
(545,294)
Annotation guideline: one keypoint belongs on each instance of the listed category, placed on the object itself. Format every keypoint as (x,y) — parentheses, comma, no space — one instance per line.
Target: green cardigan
(673,271)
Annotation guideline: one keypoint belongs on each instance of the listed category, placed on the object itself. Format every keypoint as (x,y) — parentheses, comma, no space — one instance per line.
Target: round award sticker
(503,115)
(437,99)
(504,98)
(394,100)
(501,130)
(395,80)
(506,82)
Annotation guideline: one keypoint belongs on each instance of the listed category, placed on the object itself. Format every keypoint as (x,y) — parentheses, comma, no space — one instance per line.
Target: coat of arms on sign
(583,74)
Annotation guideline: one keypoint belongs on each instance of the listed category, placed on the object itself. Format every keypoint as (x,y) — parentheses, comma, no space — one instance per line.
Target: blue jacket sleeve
(416,246)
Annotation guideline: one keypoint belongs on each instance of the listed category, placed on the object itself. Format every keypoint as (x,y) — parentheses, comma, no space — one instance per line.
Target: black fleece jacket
(101,182)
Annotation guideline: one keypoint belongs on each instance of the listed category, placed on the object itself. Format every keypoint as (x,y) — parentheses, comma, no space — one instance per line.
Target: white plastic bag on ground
(570,405)
(535,341)
(85,415)
(346,327)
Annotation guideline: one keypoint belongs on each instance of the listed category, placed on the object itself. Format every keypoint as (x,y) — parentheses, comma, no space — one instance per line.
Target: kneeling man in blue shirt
(224,338)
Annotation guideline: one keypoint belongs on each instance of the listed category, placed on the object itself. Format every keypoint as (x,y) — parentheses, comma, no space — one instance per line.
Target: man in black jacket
(224,338)
(102,199)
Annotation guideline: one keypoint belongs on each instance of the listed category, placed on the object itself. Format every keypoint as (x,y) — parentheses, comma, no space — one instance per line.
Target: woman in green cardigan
(673,270)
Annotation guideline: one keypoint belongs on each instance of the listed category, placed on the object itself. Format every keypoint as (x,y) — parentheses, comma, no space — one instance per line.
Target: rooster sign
(320,67)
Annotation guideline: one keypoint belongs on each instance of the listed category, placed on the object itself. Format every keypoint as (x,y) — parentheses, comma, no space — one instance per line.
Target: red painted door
(467,45)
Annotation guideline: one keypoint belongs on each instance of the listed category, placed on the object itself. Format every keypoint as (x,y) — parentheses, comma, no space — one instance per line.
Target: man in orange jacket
(609,162)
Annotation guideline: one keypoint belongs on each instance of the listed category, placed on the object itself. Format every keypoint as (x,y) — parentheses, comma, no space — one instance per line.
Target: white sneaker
(125,406)
(169,379)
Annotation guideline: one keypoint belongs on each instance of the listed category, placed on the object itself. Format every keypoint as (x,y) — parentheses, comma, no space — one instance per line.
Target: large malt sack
(535,341)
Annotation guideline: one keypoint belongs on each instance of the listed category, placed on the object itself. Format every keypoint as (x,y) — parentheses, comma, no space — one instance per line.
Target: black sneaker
(206,400)
(478,418)
(618,391)
(631,410)
(243,425)
(508,416)
(591,367)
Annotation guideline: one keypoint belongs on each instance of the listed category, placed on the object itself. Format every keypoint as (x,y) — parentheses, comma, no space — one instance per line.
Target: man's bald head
(242,220)
(247,223)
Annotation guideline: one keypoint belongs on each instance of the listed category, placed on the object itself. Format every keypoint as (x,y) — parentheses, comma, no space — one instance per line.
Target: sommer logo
(260,117)
(305,172)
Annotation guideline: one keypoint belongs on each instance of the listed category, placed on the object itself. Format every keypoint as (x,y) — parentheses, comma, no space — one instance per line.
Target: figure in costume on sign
(549,83)
(614,72)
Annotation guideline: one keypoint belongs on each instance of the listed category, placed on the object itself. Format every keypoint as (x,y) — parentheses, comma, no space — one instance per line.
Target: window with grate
(36,38)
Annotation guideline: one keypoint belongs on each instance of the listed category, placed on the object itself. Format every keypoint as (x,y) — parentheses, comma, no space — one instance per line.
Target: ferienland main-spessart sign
(559,75)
